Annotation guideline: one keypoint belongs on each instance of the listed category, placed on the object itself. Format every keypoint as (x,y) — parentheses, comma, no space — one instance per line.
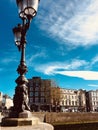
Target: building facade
(7,102)
(69,100)
(82,100)
(43,95)
(72,100)
(39,93)
(1,97)
(93,100)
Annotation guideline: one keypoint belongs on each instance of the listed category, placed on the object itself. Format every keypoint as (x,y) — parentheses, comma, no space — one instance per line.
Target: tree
(55,95)
(52,93)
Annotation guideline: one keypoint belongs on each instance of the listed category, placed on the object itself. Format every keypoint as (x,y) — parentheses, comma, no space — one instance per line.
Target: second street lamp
(17,34)
(27,10)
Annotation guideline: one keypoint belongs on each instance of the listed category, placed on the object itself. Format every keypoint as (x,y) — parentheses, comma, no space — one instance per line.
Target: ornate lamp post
(20,114)
(27,10)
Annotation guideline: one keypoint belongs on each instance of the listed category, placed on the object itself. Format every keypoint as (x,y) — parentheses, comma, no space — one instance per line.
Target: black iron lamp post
(27,10)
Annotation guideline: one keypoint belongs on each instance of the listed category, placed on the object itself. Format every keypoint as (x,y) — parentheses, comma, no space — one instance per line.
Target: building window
(63,102)
(66,102)
(36,100)
(76,103)
(31,83)
(42,93)
(36,89)
(69,102)
(73,103)
(72,97)
(37,84)
(31,100)
(31,93)
(42,100)
(94,103)
(36,93)
(31,88)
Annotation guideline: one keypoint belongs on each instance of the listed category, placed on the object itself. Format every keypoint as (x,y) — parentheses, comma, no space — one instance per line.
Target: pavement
(39,126)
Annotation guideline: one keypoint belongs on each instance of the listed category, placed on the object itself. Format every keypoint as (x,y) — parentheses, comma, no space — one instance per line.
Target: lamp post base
(19,121)
(24,124)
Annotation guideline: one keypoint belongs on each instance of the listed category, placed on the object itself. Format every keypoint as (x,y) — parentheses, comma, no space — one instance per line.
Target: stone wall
(71,117)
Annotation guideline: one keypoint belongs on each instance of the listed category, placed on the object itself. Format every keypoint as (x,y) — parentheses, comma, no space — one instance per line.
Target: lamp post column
(20,99)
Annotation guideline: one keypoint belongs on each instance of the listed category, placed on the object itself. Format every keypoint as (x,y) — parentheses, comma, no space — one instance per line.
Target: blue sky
(62,44)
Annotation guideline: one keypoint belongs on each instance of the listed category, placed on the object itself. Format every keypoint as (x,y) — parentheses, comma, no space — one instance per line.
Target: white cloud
(71,21)
(75,68)
(54,67)
(94,60)
(76,64)
(93,85)
(31,59)
(86,75)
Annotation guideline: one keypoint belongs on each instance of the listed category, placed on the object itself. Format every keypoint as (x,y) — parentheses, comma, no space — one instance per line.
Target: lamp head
(17,33)
(27,8)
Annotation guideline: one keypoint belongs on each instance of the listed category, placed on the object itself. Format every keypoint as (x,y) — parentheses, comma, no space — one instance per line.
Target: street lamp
(27,10)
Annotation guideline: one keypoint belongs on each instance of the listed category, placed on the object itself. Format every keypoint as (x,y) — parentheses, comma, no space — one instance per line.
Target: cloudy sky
(62,44)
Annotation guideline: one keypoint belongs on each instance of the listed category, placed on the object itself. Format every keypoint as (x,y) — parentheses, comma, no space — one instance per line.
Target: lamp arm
(24,28)
(27,25)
